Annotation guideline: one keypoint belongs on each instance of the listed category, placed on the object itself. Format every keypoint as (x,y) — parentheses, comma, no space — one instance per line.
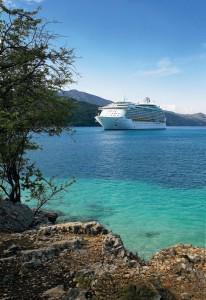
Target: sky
(130,49)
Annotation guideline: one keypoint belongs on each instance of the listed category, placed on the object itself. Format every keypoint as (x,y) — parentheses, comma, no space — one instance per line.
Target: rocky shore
(84,261)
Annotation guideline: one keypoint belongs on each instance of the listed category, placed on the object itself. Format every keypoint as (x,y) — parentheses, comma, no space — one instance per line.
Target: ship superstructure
(128,115)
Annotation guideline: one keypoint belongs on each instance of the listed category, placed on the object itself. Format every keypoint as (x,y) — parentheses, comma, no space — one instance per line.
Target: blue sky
(135,48)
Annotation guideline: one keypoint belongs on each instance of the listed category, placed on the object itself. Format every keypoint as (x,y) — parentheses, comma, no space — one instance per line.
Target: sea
(147,186)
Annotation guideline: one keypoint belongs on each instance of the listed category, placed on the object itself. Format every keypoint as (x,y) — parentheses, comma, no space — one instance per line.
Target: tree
(32,71)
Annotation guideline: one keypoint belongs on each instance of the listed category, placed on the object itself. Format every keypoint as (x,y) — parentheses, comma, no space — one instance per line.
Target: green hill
(83,114)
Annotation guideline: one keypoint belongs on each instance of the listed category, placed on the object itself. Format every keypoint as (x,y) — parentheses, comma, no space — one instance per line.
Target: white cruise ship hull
(122,123)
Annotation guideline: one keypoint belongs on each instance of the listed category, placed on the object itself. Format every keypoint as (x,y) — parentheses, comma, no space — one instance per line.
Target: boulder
(12,250)
(78,294)
(55,293)
(59,292)
(52,216)
(44,217)
(113,244)
(15,217)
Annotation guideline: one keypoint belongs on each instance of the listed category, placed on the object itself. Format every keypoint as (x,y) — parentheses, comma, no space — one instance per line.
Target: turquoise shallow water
(150,187)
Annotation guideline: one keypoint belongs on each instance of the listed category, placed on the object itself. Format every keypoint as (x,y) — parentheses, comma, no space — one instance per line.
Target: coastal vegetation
(32,71)
(83,113)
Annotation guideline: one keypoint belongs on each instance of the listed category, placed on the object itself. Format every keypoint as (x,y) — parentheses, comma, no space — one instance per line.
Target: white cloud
(37,1)
(164,67)
(12,2)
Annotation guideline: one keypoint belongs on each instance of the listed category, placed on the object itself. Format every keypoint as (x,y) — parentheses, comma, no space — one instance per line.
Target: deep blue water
(148,186)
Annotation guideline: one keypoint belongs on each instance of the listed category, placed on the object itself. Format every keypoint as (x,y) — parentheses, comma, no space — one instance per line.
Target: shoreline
(75,258)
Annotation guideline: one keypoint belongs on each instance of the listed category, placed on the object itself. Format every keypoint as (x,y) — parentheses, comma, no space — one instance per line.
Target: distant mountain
(175,119)
(86,108)
(86,97)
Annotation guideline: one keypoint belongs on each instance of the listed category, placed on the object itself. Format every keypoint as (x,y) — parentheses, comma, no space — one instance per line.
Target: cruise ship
(128,115)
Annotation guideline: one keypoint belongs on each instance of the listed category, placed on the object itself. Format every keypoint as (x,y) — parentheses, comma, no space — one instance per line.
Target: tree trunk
(15,195)
(14,181)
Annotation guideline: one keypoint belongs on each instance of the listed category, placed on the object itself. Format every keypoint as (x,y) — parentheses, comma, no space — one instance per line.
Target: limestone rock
(12,250)
(9,278)
(45,253)
(94,264)
(77,294)
(113,244)
(57,292)
(15,217)
(186,296)
(51,215)
(45,217)
(91,228)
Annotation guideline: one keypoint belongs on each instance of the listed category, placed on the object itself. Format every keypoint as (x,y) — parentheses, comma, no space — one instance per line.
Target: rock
(45,231)
(90,228)
(94,228)
(48,259)
(44,217)
(15,217)
(27,265)
(85,273)
(8,260)
(113,244)
(194,258)
(57,292)
(52,216)
(36,262)
(34,257)
(39,220)
(7,279)
(12,250)
(77,294)
(186,296)
(132,263)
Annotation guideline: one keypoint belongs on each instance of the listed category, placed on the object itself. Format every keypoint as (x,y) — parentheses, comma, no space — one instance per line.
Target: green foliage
(83,114)
(31,73)
(40,189)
